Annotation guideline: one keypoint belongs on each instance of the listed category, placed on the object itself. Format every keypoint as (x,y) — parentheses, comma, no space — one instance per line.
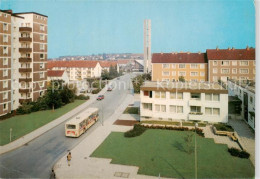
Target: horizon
(188,26)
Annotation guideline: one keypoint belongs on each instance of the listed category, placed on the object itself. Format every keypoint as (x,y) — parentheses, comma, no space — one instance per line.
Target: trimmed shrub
(136,131)
(24,109)
(238,153)
(96,91)
(223,127)
(82,97)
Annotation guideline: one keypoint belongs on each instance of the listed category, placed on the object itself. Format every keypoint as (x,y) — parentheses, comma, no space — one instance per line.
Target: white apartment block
(246,93)
(175,101)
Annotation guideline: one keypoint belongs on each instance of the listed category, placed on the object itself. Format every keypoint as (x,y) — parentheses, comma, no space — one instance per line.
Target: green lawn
(131,110)
(163,151)
(24,124)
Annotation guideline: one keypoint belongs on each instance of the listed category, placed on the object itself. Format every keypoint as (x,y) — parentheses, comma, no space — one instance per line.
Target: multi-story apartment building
(107,64)
(187,101)
(77,69)
(237,64)
(23,54)
(170,66)
(246,93)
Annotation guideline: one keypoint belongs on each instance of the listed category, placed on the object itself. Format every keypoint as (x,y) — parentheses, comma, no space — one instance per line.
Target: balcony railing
(25,59)
(195,116)
(24,90)
(25,39)
(25,49)
(25,29)
(25,80)
(21,101)
(25,70)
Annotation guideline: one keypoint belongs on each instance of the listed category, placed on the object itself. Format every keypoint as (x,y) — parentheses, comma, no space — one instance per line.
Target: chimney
(247,48)
(161,53)
(228,48)
(199,52)
(233,48)
(217,48)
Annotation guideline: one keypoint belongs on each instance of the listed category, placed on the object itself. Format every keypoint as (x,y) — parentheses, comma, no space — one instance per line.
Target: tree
(53,98)
(67,94)
(181,79)
(105,75)
(188,142)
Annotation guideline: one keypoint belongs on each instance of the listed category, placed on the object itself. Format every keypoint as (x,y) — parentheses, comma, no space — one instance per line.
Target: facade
(175,101)
(107,64)
(236,64)
(147,46)
(77,69)
(138,66)
(57,75)
(246,93)
(23,53)
(171,66)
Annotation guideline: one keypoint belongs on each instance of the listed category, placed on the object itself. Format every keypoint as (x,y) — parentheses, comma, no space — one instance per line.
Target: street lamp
(11,134)
(196,172)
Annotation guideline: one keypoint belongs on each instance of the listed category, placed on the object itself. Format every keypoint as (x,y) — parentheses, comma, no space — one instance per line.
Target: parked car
(118,78)
(100,97)
(109,88)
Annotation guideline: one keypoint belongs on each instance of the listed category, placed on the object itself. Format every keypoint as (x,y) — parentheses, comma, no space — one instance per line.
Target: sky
(85,27)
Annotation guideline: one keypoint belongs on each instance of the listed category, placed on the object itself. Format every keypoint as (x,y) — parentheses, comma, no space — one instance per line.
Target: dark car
(118,78)
(100,97)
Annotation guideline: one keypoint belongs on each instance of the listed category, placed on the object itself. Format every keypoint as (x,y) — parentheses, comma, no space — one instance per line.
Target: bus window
(69,126)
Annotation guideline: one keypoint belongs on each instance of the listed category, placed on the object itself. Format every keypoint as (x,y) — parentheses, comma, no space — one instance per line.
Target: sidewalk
(36,133)
(84,166)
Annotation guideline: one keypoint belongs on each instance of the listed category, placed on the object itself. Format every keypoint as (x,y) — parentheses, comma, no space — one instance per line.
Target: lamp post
(102,113)
(11,134)
(196,172)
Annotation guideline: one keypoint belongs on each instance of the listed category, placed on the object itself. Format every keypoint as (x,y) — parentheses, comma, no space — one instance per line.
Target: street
(35,159)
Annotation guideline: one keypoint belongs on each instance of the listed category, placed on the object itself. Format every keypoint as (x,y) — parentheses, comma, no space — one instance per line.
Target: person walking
(69,158)
(52,174)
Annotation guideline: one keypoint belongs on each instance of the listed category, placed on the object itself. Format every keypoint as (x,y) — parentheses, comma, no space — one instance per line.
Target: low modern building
(171,66)
(174,101)
(245,92)
(57,75)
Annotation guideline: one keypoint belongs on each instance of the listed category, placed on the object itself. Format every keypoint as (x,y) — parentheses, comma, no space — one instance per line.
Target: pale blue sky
(83,27)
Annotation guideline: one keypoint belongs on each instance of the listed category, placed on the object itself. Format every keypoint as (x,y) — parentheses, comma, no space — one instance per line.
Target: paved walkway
(134,117)
(245,136)
(84,166)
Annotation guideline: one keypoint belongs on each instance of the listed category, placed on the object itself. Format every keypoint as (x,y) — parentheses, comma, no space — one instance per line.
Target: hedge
(238,153)
(136,131)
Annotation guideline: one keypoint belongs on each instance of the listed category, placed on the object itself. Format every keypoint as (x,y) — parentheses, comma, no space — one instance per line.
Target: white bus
(79,124)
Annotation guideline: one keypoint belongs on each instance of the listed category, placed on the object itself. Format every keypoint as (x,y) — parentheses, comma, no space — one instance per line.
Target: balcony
(195,116)
(24,90)
(25,80)
(25,39)
(25,49)
(25,59)
(25,70)
(195,102)
(25,29)
(21,101)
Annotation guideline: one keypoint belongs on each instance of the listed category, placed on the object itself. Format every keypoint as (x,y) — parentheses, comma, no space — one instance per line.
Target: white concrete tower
(147,46)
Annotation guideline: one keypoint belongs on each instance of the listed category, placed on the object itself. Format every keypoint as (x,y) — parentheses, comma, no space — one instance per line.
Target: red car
(100,97)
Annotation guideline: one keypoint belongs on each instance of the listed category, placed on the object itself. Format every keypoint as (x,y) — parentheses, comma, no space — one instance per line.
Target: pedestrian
(52,174)
(69,158)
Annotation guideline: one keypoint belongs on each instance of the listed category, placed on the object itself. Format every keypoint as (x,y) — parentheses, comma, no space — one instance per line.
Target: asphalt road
(36,159)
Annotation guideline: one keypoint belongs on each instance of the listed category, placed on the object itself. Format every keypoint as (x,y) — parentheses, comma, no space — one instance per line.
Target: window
(244,71)
(41,74)
(196,109)
(146,93)
(193,66)
(157,94)
(176,95)
(208,97)
(5,61)
(5,72)
(176,109)
(224,71)
(166,73)
(173,66)
(244,63)
(5,38)
(251,99)
(163,94)
(5,26)
(182,65)
(157,108)
(234,63)
(193,73)
(211,97)
(5,107)
(41,65)
(147,106)
(182,73)
(41,46)
(41,93)
(5,84)
(215,70)
(41,56)
(42,27)
(202,66)
(202,74)
(234,70)
(215,97)
(195,96)
(215,63)
(166,66)
(41,37)
(212,111)
(5,50)
(5,15)
(225,63)
(41,84)
(5,95)
(163,108)
(174,73)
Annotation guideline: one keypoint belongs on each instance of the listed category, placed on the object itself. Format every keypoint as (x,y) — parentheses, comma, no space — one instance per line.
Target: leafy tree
(181,79)
(53,98)
(189,144)
(67,94)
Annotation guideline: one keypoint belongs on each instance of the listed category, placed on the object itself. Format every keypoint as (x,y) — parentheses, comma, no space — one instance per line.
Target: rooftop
(55,73)
(196,87)
(249,84)
(72,64)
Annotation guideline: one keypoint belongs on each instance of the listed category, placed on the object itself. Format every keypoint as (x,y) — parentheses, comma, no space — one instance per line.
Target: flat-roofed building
(236,64)
(171,66)
(189,101)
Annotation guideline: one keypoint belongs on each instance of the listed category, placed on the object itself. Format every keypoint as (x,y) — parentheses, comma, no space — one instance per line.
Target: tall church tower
(147,46)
